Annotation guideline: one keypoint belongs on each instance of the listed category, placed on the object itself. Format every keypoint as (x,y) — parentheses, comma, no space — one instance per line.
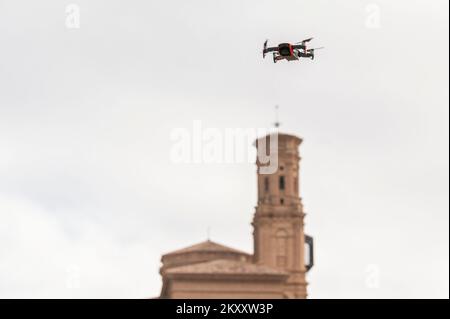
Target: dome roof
(207,247)
(202,252)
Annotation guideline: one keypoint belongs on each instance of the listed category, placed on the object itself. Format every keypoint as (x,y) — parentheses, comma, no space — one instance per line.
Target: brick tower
(279,239)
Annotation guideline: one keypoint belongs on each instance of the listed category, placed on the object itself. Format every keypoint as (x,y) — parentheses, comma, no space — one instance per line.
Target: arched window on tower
(282,183)
(281,244)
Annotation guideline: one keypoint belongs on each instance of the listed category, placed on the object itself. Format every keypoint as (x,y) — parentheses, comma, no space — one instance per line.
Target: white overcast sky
(89,196)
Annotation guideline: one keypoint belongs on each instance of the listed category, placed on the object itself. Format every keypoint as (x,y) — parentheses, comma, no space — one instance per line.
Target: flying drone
(290,52)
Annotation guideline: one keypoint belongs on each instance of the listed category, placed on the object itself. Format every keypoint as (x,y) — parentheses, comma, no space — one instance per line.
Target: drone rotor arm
(272,49)
(299,46)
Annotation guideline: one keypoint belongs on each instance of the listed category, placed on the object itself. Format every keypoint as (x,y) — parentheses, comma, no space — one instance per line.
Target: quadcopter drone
(290,52)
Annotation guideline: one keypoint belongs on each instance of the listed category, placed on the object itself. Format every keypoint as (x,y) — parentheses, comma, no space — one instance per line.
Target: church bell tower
(279,238)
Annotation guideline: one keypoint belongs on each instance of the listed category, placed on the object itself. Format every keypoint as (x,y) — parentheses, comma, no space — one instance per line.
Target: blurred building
(278,266)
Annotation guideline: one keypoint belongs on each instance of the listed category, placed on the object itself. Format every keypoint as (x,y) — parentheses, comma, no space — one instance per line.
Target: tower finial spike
(277,122)
(208,233)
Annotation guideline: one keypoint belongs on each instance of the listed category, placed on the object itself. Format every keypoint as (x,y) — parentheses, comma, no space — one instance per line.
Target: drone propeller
(304,41)
(265,47)
(319,48)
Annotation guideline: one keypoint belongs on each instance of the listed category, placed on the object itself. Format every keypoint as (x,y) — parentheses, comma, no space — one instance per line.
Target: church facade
(282,252)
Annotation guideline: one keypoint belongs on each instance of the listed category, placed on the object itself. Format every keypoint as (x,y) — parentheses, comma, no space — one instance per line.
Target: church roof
(226,267)
(207,246)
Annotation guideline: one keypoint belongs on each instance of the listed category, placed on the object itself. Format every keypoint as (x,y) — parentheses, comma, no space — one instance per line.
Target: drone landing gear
(274,58)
